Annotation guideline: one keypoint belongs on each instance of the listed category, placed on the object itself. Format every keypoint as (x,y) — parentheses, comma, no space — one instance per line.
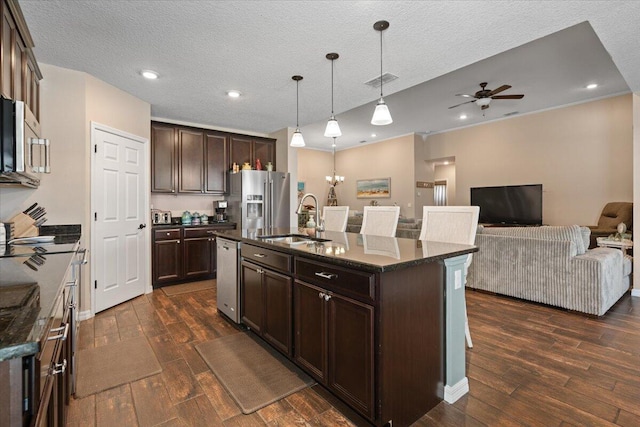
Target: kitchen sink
(291,239)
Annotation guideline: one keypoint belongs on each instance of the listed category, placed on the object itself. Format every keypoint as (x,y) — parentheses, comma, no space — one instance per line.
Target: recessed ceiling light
(149,74)
(592,86)
(463,116)
(373,135)
(233,94)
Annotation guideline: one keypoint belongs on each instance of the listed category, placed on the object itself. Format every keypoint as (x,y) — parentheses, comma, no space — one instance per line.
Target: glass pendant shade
(297,140)
(381,116)
(333,128)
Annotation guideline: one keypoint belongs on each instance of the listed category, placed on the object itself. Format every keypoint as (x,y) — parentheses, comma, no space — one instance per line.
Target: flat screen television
(509,205)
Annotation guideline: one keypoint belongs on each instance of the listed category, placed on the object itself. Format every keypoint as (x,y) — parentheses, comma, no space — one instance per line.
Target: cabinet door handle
(324,275)
(259,255)
(210,231)
(260,271)
(168,234)
(62,336)
(321,295)
(327,297)
(59,368)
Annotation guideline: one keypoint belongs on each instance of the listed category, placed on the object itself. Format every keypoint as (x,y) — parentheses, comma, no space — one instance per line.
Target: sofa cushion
(571,233)
(586,236)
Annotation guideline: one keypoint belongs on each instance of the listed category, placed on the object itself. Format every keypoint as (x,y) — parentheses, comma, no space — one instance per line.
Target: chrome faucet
(319,225)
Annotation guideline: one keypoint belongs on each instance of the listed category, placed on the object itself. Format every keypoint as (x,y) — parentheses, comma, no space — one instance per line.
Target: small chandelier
(332,199)
(381,116)
(333,129)
(335,179)
(297,140)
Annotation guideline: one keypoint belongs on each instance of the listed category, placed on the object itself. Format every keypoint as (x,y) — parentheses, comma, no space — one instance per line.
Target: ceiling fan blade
(498,90)
(465,95)
(508,97)
(454,106)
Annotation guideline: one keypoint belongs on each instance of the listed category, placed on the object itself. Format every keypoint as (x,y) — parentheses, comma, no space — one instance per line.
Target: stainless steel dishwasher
(228,276)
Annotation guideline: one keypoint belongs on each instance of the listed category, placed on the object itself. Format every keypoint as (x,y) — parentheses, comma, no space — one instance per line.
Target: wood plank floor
(531,365)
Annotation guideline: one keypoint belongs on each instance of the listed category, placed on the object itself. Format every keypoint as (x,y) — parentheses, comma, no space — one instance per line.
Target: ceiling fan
(484,96)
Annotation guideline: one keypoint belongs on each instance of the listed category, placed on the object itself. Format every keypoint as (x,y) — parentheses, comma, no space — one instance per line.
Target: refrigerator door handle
(271,202)
(265,205)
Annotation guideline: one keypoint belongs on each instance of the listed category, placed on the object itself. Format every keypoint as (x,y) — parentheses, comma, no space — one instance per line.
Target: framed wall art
(373,188)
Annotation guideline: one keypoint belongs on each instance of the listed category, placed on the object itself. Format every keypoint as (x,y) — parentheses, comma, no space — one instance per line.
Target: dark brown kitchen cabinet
(167,256)
(266,305)
(334,341)
(164,171)
(188,160)
(216,154)
(248,149)
(191,161)
(199,253)
(19,72)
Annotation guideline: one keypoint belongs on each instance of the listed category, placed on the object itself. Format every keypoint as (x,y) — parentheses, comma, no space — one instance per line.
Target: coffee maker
(220,207)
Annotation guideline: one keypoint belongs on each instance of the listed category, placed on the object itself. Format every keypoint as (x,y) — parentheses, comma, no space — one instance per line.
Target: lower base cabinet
(266,305)
(334,341)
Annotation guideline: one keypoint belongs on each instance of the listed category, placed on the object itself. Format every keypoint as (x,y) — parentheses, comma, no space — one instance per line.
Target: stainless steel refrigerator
(259,199)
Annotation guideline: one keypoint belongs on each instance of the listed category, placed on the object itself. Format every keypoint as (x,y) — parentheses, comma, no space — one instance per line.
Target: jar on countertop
(195,218)
(186,218)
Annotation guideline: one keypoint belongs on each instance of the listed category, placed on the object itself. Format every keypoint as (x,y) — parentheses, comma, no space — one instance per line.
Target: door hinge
(95,216)
(95,148)
(95,284)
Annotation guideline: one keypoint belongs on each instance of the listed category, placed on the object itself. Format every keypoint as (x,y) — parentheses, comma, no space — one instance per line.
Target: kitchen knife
(39,215)
(35,212)
(26,211)
(40,222)
(31,266)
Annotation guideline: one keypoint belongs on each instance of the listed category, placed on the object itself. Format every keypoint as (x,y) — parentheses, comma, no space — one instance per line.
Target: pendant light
(333,129)
(381,116)
(297,140)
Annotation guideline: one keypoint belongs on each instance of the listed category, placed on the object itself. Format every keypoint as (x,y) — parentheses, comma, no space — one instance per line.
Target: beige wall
(582,155)
(392,158)
(313,166)
(70,100)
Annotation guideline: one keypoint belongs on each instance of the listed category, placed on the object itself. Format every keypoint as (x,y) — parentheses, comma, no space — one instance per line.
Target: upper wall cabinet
(188,160)
(247,149)
(19,72)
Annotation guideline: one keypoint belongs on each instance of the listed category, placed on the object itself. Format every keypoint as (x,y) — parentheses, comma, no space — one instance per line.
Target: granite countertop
(365,252)
(211,224)
(27,298)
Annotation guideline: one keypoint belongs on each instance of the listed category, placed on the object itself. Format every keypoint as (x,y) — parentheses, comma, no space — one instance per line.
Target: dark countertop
(27,296)
(211,224)
(365,252)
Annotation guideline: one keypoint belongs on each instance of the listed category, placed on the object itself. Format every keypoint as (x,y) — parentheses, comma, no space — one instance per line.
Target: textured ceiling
(204,48)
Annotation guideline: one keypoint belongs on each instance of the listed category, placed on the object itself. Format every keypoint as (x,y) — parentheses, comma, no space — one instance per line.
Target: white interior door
(119,208)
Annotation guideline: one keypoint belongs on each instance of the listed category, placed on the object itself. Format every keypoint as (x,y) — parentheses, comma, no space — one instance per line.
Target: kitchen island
(366,316)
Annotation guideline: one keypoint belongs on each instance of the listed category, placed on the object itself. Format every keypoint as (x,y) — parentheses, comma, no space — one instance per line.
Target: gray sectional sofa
(550,265)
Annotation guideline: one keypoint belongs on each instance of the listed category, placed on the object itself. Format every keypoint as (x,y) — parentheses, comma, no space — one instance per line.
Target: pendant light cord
(332,87)
(380,63)
(297,103)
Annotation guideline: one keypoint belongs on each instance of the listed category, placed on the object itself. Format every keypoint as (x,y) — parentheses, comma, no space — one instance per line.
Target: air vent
(363,141)
(511,113)
(386,78)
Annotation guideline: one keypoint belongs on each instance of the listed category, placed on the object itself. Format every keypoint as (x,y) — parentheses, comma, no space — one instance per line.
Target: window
(440,193)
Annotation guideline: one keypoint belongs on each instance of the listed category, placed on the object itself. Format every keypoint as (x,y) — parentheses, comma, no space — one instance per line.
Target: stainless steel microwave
(22,152)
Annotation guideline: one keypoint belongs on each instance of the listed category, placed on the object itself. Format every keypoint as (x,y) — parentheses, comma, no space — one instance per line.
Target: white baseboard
(456,391)
(635,292)
(85,315)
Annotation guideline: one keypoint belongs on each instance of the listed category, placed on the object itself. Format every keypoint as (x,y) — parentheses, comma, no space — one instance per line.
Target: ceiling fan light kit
(381,115)
(333,129)
(297,140)
(484,96)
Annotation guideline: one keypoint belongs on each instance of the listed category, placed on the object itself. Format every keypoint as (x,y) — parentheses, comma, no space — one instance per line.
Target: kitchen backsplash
(178,204)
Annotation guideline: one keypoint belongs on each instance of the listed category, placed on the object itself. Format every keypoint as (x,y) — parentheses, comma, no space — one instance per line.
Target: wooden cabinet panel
(310,332)
(277,318)
(167,260)
(163,159)
(240,150)
(19,66)
(252,297)
(351,352)
(216,154)
(191,169)
(197,257)
(8,33)
(265,150)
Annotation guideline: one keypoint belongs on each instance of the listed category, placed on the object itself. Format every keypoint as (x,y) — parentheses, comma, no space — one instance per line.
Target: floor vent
(386,78)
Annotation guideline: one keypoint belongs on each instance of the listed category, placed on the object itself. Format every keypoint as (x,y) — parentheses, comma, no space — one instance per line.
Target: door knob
(141,226)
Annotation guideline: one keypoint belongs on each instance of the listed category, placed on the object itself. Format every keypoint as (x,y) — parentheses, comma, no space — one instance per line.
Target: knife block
(23,226)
